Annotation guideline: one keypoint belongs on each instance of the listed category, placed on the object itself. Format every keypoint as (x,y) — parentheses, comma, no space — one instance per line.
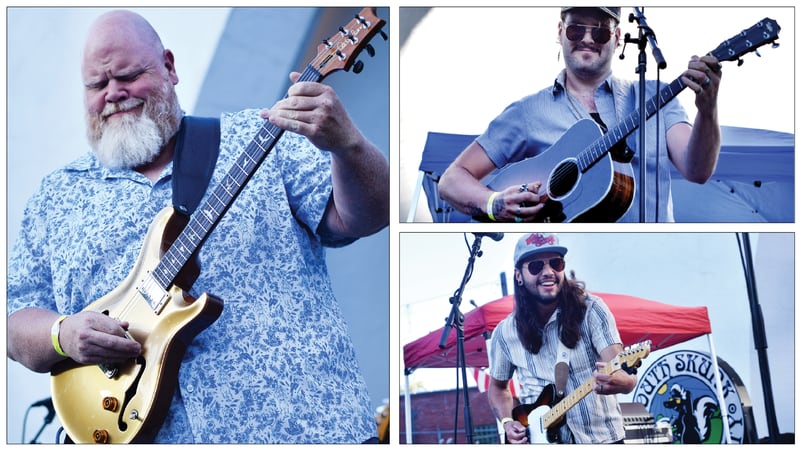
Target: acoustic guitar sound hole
(563,178)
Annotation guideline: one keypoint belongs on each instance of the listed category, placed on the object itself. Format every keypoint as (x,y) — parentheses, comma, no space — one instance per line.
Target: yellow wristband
(490,205)
(506,419)
(54,331)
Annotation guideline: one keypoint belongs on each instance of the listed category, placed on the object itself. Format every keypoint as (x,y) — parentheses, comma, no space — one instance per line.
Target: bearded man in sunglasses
(586,89)
(556,322)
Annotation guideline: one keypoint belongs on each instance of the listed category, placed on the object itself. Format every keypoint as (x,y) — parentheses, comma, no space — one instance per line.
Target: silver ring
(706,82)
(523,188)
(600,389)
(519,212)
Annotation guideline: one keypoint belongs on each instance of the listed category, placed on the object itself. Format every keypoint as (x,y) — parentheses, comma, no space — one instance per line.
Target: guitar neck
(560,409)
(208,215)
(602,145)
(336,53)
(747,41)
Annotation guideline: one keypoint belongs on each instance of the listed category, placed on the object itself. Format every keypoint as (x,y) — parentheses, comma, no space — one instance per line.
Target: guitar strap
(196,151)
(562,369)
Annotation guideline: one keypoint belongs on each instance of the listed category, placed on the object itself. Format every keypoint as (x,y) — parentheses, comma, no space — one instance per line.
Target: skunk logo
(693,420)
(679,389)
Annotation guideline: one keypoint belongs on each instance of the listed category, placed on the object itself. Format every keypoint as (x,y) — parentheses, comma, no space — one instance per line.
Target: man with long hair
(555,317)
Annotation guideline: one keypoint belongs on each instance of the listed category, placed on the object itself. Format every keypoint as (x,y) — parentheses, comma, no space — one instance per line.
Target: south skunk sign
(681,387)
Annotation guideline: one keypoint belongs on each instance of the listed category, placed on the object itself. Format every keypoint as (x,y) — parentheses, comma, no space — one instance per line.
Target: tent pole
(408,411)
(723,408)
(412,211)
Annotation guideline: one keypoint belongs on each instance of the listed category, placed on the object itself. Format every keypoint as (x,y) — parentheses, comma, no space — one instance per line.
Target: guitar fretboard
(335,53)
(602,145)
(208,215)
(571,399)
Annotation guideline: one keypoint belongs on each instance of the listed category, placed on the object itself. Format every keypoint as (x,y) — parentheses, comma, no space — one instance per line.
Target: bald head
(121,29)
(123,48)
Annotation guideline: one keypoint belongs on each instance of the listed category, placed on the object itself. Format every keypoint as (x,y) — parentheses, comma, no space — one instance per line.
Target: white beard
(130,141)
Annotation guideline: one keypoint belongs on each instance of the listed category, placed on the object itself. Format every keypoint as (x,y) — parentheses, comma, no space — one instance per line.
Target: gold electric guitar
(128,401)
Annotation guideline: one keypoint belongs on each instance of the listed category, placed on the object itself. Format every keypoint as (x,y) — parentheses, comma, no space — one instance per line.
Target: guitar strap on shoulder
(562,369)
(196,151)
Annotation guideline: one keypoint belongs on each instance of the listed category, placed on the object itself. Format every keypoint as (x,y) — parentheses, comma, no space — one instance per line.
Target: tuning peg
(370,50)
(384,36)
(775,44)
(358,67)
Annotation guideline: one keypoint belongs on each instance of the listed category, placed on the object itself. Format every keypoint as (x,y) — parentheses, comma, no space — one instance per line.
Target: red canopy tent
(638,320)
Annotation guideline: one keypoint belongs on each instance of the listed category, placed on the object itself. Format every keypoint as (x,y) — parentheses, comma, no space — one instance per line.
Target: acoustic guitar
(584,177)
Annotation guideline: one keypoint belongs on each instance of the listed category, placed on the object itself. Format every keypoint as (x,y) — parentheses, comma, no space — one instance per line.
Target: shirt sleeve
(500,365)
(505,137)
(602,324)
(29,276)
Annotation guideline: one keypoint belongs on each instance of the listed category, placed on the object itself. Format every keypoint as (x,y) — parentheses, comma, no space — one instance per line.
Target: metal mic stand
(456,319)
(645,34)
(48,418)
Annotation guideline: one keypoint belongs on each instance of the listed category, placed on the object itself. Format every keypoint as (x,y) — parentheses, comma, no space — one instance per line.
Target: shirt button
(190,388)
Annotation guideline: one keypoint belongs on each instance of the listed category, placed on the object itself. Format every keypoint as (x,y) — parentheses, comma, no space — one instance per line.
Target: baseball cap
(535,243)
(612,11)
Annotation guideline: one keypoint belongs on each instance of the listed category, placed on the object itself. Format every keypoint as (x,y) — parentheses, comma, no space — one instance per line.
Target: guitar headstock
(765,31)
(339,52)
(631,358)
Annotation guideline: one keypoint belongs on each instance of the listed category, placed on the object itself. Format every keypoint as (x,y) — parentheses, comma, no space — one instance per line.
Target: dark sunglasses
(600,35)
(536,267)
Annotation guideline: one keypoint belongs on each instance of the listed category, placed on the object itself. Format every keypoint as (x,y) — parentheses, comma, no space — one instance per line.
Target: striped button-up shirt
(595,419)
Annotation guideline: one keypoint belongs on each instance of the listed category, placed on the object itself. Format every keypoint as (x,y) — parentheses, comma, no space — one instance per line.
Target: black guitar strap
(196,151)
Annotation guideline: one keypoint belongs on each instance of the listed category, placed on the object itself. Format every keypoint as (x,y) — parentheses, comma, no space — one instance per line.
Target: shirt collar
(89,163)
(560,86)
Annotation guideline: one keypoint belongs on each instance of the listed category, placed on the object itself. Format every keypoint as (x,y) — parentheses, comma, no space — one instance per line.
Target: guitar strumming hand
(93,338)
(518,203)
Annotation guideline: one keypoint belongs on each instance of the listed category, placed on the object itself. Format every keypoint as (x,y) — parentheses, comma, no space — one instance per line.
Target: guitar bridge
(153,293)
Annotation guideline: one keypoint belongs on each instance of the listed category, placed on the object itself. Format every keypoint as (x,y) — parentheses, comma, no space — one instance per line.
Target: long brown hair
(572,302)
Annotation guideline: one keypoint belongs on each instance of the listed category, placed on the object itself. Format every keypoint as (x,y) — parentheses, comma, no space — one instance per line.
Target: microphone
(496,236)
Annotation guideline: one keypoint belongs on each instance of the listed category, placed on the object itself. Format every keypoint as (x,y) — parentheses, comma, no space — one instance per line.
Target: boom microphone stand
(456,320)
(646,35)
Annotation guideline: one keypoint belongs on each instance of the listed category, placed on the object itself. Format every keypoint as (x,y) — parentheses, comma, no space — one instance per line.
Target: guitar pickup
(153,293)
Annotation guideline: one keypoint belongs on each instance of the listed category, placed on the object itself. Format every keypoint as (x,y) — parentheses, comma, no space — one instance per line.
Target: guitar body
(131,405)
(531,415)
(602,193)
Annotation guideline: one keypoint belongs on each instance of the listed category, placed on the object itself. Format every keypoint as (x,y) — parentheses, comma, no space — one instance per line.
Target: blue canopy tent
(753,182)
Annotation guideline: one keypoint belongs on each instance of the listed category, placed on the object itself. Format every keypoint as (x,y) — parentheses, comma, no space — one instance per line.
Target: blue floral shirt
(278,366)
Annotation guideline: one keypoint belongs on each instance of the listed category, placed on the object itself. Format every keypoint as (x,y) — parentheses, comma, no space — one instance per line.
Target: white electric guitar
(541,416)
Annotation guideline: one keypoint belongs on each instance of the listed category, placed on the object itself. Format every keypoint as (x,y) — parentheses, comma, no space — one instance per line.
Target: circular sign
(680,388)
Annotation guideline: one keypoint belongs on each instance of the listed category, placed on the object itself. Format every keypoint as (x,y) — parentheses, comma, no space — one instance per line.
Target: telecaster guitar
(583,177)
(542,416)
(128,401)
